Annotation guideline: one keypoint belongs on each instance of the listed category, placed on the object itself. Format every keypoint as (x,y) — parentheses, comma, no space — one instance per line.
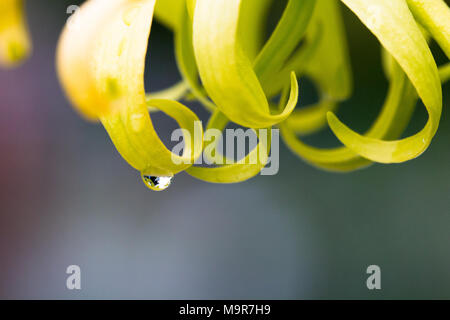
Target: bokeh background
(67,197)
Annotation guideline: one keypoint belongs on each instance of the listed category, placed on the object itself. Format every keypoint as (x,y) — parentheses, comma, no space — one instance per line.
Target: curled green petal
(138,143)
(393,24)
(242,170)
(226,71)
(105,80)
(390,124)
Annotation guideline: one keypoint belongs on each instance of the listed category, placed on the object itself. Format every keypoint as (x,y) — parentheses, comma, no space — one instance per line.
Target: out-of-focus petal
(15,43)
(325,59)
(330,66)
(168,12)
(434,16)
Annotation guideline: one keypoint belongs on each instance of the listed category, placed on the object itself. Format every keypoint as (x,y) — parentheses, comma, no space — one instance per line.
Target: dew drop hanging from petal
(156,183)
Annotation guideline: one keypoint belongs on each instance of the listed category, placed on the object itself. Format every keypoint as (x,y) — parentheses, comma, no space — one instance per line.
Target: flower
(14,38)
(100,62)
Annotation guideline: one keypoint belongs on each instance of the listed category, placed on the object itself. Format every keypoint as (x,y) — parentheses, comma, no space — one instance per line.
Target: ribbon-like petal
(101,61)
(226,71)
(390,124)
(393,24)
(15,44)
(434,16)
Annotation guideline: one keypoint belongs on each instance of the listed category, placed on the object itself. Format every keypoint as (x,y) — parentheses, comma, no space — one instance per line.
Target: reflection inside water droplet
(157,183)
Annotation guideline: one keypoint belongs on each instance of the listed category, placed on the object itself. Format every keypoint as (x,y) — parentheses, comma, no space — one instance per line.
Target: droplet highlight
(156,183)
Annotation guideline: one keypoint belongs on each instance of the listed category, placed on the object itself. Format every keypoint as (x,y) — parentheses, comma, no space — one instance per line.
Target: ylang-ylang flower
(241,75)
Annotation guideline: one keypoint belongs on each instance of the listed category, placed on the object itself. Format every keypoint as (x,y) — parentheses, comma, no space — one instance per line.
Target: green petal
(434,16)
(330,65)
(139,144)
(184,52)
(390,124)
(101,65)
(190,4)
(168,12)
(177,92)
(236,172)
(330,72)
(393,24)
(284,40)
(226,71)
(300,60)
(252,26)
(444,72)
(310,119)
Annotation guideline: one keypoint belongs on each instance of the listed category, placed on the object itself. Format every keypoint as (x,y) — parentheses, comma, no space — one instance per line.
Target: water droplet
(157,183)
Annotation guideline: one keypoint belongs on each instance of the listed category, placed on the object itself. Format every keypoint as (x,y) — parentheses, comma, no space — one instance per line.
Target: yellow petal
(395,115)
(226,71)
(176,92)
(240,171)
(393,24)
(330,66)
(252,24)
(331,73)
(444,72)
(184,53)
(168,12)
(285,38)
(15,43)
(434,16)
(100,62)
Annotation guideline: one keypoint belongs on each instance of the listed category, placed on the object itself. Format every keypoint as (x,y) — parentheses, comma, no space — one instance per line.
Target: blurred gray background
(67,197)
